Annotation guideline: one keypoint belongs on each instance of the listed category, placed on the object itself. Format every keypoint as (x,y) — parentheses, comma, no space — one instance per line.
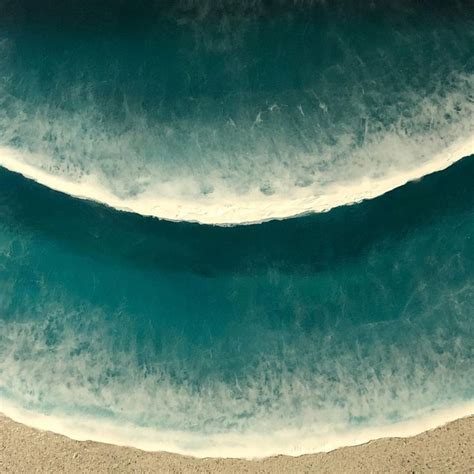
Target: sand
(449,448)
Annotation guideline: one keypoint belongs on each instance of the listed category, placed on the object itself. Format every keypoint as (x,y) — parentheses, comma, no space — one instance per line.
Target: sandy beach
(449,448)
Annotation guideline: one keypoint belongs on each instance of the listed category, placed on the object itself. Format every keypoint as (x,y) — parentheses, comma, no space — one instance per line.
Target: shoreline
(246,446)
(444,449)
(254,209)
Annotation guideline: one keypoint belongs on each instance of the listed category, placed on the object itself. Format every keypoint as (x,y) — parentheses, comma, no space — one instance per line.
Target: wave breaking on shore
(247,446)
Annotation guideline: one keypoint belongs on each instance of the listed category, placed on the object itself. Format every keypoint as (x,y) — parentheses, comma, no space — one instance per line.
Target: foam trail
(247,209)
(249,446)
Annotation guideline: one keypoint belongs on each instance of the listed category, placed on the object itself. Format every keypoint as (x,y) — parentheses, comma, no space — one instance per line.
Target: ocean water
(224,313)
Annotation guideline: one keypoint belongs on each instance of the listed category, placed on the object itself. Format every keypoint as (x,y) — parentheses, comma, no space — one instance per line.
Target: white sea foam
(246,445)
(222,208)
(353,129)
(66,386)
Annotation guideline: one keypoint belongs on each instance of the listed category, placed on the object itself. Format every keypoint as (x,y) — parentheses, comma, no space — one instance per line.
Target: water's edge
(251,447)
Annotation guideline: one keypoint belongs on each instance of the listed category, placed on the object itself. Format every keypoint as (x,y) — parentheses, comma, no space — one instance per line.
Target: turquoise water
(296,331)
(220,113)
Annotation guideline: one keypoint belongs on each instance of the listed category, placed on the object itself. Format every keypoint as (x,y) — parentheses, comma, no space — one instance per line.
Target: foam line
(245,445)
(228,210)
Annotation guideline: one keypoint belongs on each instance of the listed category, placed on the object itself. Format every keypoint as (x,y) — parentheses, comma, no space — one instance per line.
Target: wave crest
(224,209)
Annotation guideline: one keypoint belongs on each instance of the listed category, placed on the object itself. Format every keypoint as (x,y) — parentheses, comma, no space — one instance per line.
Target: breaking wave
(235,117)
(223,209)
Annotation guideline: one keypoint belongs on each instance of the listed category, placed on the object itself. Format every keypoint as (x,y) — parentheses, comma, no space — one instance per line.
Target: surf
(208,118)
(131,356)
(289,443)
(223,210)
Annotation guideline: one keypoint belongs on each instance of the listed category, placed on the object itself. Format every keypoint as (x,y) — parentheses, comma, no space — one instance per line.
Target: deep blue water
(313,326)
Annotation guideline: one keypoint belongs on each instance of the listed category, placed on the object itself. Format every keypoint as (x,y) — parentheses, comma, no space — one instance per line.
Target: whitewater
(235,118)
(247,445)
(224,210)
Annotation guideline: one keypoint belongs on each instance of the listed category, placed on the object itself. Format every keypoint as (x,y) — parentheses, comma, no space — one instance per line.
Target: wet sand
(449,448)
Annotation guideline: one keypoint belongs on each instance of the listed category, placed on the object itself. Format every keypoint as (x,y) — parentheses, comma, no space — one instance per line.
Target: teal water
(295,331)
(224,112)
